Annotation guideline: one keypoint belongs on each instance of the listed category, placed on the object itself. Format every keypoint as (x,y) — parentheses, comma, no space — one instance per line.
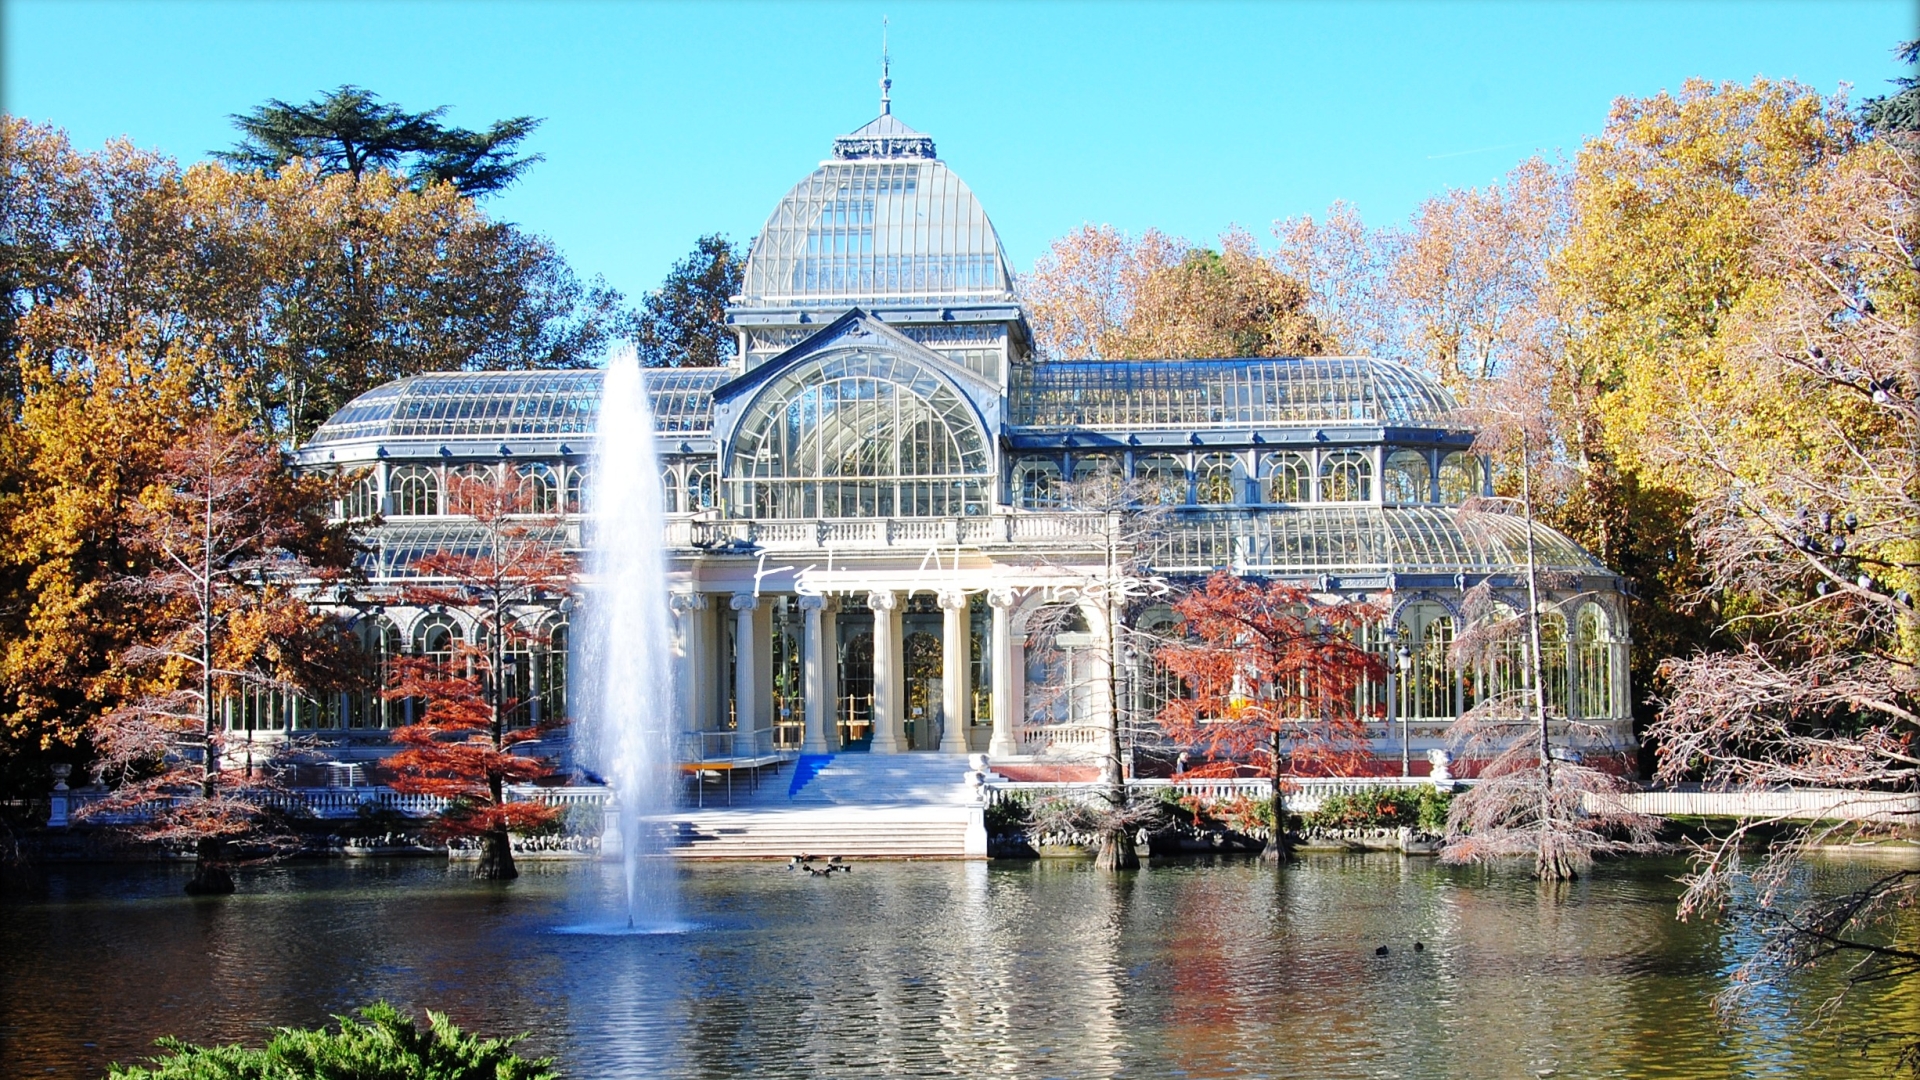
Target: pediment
(854,329)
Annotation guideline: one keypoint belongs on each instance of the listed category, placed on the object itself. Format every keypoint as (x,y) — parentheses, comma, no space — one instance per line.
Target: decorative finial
(886,74)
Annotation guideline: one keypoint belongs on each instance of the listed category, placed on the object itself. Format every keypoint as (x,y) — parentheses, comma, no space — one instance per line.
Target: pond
(1047,969)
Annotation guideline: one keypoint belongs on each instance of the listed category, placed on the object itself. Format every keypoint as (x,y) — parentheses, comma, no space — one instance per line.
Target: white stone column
(956,671)
(1002,746)
(690,610)
(819,698)
(746,703)
(886,671)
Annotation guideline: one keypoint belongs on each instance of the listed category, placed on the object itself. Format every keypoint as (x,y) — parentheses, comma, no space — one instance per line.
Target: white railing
(1304,794)
(340,803)
(1028,528)
(1038,739)
(1804,804)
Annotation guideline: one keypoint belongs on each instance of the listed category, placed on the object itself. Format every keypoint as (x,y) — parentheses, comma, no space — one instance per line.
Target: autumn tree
(462,748)
(231,537)
(1807,471)
(683,323)
(1099,293)
(352,132)
(1273,674)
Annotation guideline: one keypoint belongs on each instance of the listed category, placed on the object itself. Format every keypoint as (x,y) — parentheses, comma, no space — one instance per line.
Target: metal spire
(886,75)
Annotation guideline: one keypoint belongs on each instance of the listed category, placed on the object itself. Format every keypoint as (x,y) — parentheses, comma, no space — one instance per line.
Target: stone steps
(918,779)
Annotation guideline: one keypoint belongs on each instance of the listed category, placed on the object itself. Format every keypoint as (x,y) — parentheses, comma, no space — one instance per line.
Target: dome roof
(1136,395)
(493,404)
(883,221)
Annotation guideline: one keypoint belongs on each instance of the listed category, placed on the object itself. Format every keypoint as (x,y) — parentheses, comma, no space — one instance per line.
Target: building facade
(893,528)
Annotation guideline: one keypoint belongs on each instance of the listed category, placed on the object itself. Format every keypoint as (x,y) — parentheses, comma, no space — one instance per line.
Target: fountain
(625,640)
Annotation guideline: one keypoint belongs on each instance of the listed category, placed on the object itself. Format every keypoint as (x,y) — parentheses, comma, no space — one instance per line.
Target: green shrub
(1434,805)
(387,1046)
(1011,814)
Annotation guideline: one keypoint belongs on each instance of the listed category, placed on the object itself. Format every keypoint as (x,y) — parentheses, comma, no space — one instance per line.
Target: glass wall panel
(416,491)
(1346,476)
(1407,478)
(1459,478)
(1213,479)
(1289,479)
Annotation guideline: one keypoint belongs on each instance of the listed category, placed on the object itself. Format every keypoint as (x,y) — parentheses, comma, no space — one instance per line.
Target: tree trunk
(496,857)
(210,874)
(1117,851)
(1278,848)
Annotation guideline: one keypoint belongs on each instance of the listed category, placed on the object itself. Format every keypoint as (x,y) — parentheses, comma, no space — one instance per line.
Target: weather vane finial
(886,75)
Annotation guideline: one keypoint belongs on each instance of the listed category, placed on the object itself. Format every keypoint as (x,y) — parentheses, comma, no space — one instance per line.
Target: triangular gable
(856,327)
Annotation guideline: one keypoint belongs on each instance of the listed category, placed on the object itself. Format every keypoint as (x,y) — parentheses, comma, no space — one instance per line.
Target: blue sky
(666,121)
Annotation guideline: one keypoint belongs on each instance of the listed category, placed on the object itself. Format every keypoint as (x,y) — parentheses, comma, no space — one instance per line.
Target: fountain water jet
(625,638)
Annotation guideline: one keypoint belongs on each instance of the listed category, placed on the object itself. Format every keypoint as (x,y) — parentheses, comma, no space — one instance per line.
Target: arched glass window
(1213,479)
(578,484)
(1096,481)
(1426,684)
(467,487)
(366,704)
(1407,478)
(700,489)
(539,489)
(553,675)
(1160,478)
(860,434)
(670,490)
(1153,684)
(437,639)
(1036,483)
(1553,662)
(1459,477)
(362,499)
(1593,660)
(1288,479)
(415,490)
(1346,476)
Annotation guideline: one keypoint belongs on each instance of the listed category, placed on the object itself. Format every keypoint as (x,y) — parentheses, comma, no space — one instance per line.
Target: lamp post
(1402,663)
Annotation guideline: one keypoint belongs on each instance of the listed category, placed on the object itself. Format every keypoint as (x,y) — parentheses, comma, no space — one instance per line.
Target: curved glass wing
(490,404)
(1305,390)
(1337,539)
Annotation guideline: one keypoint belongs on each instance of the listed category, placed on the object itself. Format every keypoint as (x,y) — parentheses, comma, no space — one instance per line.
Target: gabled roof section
(856,327)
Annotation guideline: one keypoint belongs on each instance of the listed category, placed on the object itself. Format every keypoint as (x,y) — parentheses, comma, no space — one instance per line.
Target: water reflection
(1197,968)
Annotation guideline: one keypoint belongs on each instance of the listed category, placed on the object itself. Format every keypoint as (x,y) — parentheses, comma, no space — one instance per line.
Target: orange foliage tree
(1273,674)
(230,536)
(462,748)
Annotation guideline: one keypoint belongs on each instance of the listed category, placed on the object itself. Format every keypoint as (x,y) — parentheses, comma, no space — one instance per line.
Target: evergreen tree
(683,322)
(351,131)
(1897,112)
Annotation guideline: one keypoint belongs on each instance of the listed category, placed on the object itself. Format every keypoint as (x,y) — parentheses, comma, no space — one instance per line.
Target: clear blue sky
(665,121)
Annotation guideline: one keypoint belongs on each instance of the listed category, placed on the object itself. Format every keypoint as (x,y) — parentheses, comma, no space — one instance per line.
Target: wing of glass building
(887,483)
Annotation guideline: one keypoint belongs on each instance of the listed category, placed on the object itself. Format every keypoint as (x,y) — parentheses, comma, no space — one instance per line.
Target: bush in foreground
(385,1045)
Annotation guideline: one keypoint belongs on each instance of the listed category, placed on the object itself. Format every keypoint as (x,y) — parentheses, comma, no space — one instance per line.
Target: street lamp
(1403,661)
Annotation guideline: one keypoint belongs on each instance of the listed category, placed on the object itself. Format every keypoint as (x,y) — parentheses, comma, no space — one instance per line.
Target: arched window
(578,485)
(415,490)
(362,499)
(1346,476)
(1407,479)
(1459,478)
(553,675)
(1213,479)
(366,704)
(1096,481)
(700,490)
(1036,483)
(539,489)
(1288,479)
(1553,662)
(860,434)
(670,490)
(1593,660)
(1426,683)
(1153,684)
(466,487)
(1160,478)
(437,639)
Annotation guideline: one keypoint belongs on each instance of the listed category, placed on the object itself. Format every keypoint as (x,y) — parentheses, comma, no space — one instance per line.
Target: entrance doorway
(924,681)
(854,712)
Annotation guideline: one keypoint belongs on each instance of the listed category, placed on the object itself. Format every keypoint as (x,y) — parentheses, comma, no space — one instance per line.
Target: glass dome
(468,405)
(883,221)
(1308,390)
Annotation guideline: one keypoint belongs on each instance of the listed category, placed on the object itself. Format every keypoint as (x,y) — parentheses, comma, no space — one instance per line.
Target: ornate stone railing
(1304,793)
(1028,529)
(334,803)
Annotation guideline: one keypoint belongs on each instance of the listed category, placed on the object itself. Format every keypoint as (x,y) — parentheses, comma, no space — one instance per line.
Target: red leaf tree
(462,747)
(1273,675)
(230,535)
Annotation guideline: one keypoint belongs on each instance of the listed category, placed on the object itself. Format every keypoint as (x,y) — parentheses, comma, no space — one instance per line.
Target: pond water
(1195,968)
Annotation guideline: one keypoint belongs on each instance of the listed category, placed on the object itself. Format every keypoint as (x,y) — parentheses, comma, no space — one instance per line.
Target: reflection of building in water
(871,503)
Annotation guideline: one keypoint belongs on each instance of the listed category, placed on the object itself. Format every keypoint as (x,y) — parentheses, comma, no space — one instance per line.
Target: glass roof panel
(467,405)
(1254,392)
(1363,539)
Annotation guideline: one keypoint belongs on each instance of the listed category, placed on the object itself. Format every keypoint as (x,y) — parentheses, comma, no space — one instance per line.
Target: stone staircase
(859,806)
